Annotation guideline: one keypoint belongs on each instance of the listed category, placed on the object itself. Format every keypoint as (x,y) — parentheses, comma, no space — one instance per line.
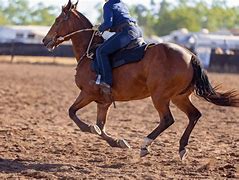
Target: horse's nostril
(43,40)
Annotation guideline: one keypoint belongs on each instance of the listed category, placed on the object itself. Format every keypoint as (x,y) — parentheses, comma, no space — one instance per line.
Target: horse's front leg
(82,100)
(102,110)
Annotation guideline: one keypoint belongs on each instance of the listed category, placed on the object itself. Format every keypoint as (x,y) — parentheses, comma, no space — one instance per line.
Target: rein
(71,34)
(87,54)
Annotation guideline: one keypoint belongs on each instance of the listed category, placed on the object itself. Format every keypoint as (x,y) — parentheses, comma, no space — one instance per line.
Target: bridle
(63,38)
(60,39)
(87,53)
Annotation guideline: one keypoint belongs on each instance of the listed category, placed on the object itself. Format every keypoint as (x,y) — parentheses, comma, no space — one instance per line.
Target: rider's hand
(96,27)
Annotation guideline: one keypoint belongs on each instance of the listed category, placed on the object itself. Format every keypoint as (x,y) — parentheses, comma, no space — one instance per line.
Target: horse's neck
(80,43)
(81,40)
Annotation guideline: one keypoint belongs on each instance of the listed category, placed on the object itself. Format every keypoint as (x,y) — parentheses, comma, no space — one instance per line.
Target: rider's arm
(108,18)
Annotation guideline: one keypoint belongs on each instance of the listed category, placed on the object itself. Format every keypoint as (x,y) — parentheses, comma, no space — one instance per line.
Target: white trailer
(23,34)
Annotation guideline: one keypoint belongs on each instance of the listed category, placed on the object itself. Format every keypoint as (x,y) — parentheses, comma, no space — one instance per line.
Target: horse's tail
(204,89)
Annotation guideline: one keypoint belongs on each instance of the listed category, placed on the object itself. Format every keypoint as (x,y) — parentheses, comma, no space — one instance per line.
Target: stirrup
(105,88)
(107,92)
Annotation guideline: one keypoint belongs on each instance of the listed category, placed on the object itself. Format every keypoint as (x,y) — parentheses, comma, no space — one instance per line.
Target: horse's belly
(128,97)
(134,91)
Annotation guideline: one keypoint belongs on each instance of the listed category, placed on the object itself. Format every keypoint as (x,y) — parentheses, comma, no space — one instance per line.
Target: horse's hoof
(144,152)
(95,130)
(183,154)
(123,144)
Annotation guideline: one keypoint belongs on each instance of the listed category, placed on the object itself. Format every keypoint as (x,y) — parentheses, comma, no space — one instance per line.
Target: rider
(116,19)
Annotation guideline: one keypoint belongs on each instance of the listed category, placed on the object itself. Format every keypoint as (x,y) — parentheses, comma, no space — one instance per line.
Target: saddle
(134,52)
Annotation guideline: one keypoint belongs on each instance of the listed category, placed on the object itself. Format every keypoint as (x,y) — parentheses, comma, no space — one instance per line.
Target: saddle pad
(128,56)
(125,56)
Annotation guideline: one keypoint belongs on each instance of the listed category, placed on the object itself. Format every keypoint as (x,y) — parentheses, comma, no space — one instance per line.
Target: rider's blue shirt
(115,13)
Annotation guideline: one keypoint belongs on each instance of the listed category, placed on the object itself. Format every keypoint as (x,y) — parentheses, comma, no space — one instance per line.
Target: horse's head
(64,24)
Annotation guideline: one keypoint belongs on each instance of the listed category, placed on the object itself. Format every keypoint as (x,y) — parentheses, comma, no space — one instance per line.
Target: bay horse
(167,73)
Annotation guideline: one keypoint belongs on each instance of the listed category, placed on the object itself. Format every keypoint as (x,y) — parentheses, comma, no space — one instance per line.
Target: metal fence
(21,49)
(218,62)
(224,63)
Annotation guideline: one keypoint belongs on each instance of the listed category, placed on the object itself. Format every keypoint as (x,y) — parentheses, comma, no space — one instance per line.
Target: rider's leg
(114,43)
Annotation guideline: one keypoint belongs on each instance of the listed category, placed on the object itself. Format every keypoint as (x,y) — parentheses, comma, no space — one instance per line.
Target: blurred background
(209,28)
(39,141)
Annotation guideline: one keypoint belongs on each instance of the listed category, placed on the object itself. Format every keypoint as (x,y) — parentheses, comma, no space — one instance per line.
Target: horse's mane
(83,17)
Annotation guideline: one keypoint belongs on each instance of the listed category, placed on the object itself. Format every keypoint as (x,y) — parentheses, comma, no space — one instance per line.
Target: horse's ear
(74,6)
(68,6)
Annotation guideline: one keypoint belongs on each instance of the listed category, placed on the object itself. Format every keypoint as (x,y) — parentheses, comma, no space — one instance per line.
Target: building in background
(204,43)
(23,34)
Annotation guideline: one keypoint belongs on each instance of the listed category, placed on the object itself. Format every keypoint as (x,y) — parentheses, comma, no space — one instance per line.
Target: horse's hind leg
(82,100)
(184,103)
(166,120)
(102,110)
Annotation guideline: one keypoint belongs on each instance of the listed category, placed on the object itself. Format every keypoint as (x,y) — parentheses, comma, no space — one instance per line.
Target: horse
(167,73)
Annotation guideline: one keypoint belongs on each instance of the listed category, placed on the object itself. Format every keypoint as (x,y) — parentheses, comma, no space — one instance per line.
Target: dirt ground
(39,141)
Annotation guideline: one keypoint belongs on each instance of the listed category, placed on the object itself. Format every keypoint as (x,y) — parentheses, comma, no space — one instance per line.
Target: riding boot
(106,91)
(105,88)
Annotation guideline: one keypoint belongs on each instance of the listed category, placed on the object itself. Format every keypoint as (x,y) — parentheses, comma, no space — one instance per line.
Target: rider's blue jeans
(114,43)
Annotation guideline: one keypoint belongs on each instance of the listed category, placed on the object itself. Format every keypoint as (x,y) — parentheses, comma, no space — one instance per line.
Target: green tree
(3,20)
(191,14)
(220,16)
(145,17)
(195,15)
(19,12)
(42,15)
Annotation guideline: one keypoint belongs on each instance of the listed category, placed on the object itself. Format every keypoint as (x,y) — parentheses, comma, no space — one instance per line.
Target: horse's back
(165,66)
(169,68)
(173,51)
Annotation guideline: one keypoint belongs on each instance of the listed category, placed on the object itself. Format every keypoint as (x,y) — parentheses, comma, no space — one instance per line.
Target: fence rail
(224,63)
(21,49)
(218,62)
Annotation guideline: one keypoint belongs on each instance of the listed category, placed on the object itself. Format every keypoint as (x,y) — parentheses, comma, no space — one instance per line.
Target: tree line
(162,18)
(20,12)
(158,18)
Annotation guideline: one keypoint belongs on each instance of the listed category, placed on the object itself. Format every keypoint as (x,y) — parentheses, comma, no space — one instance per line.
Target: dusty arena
(39,141)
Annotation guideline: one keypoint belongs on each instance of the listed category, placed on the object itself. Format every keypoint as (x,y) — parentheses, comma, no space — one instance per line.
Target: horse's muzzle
(50,44)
